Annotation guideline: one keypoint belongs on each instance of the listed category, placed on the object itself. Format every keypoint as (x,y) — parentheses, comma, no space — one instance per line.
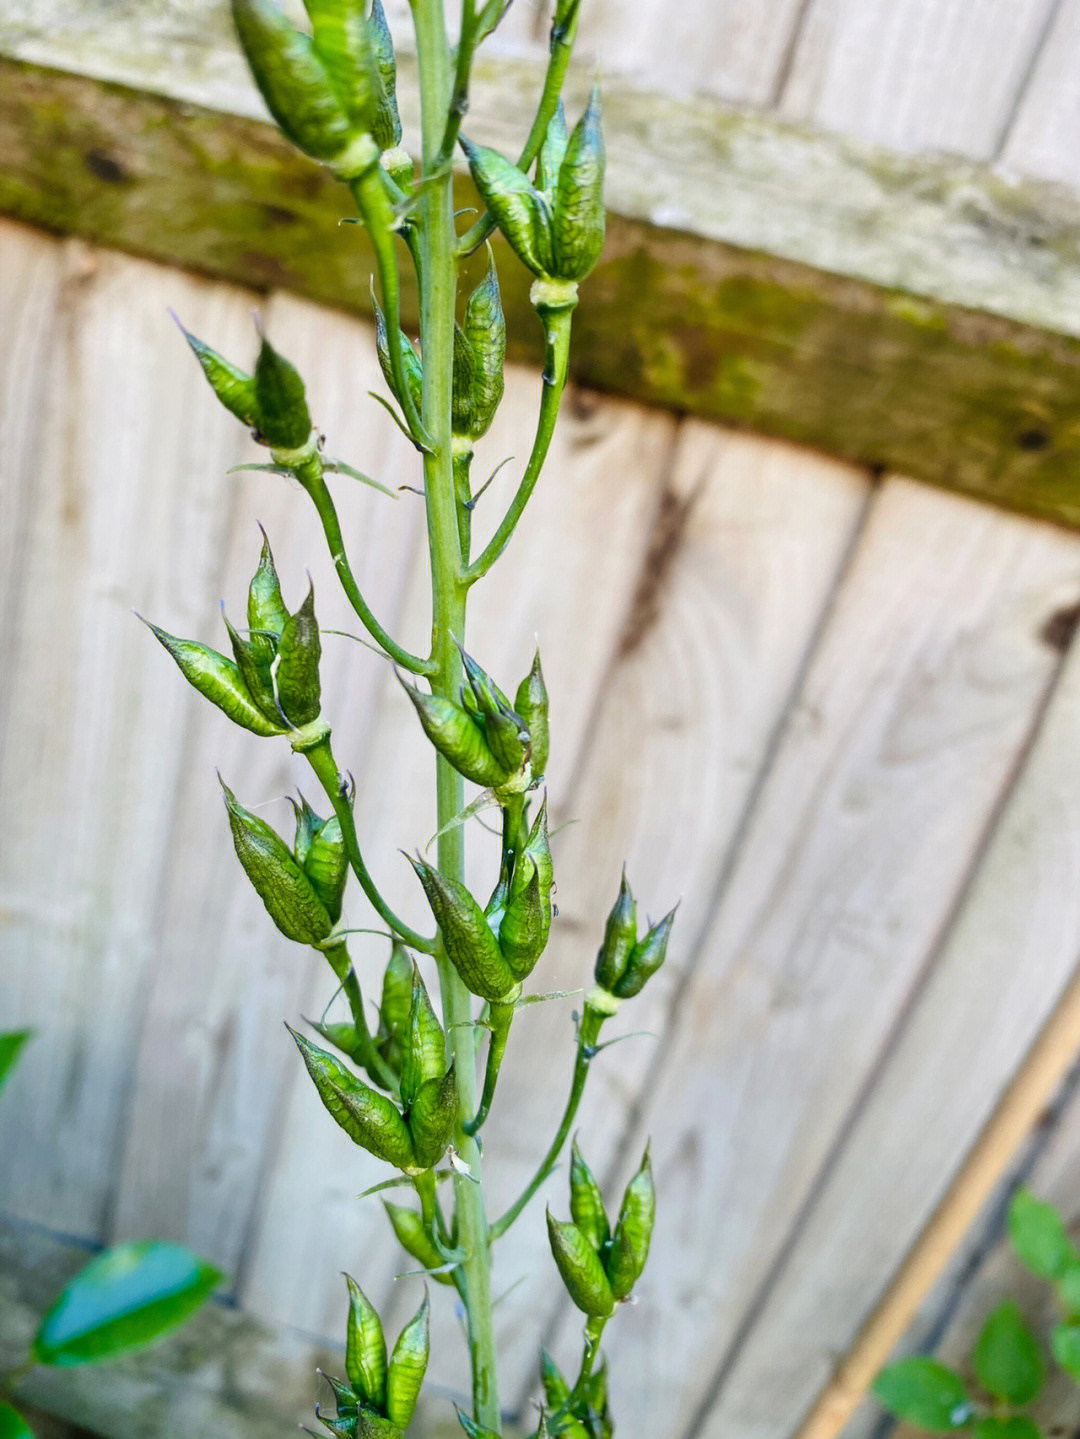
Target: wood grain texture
(927,682)
(1049,108)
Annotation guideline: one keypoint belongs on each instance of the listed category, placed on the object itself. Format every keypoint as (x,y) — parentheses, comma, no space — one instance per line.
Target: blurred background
(805,574)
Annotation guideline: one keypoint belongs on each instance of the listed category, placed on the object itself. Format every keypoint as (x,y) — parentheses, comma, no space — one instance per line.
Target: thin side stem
(556,358)
(341,963)
(459,97)
(322,762)
(312,478)
(588,1033)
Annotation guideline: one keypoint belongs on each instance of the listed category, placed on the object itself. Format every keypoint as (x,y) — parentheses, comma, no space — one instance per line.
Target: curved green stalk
(500,1018)
(459,96)
(340,962)
(322,761)
(312,478)
(556,320)
(588,1033)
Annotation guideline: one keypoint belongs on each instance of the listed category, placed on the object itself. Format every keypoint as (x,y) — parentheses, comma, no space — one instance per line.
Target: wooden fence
(835,714)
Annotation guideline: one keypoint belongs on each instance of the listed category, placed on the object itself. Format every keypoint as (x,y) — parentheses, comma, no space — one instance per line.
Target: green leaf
(1038,1236)
(1068,1289)
(12,1424)
(1008,1361)
(1015,1426)
(1065,1346)
(123,1299)
(11,1044)
(926,1394)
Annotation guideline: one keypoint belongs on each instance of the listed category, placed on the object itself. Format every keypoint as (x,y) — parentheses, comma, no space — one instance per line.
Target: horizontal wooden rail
(915,315)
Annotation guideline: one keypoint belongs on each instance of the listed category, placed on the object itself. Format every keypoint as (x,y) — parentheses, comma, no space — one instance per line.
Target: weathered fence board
(1037,143)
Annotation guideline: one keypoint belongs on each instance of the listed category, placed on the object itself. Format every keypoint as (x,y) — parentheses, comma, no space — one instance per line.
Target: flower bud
(283,417)
(633,1232)
(620,936)
(408,1364)
(411,1234)
(425,1044)
(299,652)
(578,200)
(579,1265)
(280,883)
(457,737)
(586,1202)
(470,945)
(645,958)
(368,1118)
(219,680)
(531,703)
(365,1348)
(234,387)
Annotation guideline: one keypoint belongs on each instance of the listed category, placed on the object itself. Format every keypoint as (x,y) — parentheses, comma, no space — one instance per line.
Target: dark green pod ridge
(267,615)
(299,652)
(368,1118)
(432,1118)
(327,865)
(645,958)
(556,1389)
(424,1045)
(387,126)
(365,1348)
(408,1226)
(283,418)
(578,219)
(524,930)
(457,737)
(579,1266)
(293,80)
(586,1202)
(517,208)
(253,663)
(620,936)
(410,360)
(531,703)
(464,368)
(408,1365)
(278,880)
(484,330)
(395,1002)
(470,945)
(629,1249)
(219,680)
(234,387)
(552,151)
(342,42)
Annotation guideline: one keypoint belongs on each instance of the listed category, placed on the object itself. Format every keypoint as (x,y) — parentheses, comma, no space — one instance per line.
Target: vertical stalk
(438,282)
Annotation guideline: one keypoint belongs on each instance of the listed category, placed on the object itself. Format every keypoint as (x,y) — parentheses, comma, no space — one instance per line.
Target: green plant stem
(459,98)
(438,284)
(340,962)
(562,45)
(500,1018)
(322,761)
(556,321)
(588,1033)
(310,474)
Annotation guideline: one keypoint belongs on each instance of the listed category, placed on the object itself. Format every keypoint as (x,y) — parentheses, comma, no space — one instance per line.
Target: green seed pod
(645,959)
(556,1389)
(579,1265)
(538,849)
(307,824)
(397,988)
(457,737)
(344,1396)
(234,387)
(464,371)
(415,1240)
(299,652)
(526,924)
(500,898)
(620,936)
(531,703)
(505,731)
(474,1430)
(283,417)
(368,1118)
(410,360)
(470,945)
(485,331)
(343,1037)
(552,152)
(633,1231)
(327,866)
(267,615)
(365,1348)
(370,1425)
(343,1426)
(342,42)
(387,126)
(578,204)
(278,880)
(425,1043)
(516,207)
(219,680)
(408,1364)
(293,80)
(586,1202)
(432,1118)
(253,663)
